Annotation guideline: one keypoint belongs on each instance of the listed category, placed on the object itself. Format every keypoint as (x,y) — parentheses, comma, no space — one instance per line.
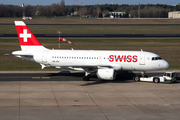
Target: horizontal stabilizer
(21,53)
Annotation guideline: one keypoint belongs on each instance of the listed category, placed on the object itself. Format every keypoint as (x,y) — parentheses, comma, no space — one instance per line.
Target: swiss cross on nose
(25,35)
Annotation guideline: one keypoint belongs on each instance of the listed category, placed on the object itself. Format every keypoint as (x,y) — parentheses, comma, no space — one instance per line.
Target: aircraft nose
(165,64)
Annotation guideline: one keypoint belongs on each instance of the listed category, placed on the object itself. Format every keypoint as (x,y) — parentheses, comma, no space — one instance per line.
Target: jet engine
(106,74)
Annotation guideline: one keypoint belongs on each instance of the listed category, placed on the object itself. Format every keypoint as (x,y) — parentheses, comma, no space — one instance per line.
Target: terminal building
(117,14)
(174,14)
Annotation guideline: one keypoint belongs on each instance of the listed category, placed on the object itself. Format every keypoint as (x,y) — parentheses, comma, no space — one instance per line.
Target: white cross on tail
(24,35)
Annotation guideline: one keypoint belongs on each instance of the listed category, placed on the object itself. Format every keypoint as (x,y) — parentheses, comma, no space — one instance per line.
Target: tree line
(60,9)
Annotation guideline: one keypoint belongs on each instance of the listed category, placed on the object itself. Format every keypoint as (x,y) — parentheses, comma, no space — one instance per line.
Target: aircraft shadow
(68,76)
(120,78)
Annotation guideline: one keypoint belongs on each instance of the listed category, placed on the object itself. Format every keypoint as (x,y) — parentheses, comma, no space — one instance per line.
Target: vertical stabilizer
(26,38)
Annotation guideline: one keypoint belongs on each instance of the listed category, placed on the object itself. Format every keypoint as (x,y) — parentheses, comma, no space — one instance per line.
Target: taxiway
(64,96)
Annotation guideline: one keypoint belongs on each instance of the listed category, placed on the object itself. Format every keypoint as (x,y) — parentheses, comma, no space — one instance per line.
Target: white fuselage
(118,60)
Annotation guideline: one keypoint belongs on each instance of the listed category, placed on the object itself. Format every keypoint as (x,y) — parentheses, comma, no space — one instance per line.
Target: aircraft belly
(127,67)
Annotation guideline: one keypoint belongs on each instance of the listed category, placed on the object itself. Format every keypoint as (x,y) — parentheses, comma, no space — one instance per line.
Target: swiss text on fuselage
(123,58)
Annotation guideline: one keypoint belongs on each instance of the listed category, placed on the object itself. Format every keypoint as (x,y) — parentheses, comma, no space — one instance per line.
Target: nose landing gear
(137,78)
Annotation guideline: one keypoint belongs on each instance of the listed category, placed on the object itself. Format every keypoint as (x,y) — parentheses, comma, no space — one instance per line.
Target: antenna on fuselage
(141,50)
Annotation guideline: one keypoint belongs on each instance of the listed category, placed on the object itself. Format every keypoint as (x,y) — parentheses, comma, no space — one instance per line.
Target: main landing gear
(87,76)
(137,78)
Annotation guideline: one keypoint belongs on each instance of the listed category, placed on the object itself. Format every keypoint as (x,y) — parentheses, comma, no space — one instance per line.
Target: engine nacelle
(106,74)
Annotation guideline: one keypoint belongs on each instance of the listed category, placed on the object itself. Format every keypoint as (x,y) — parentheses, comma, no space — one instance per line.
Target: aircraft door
(142,59)
(44,57)
(100,59)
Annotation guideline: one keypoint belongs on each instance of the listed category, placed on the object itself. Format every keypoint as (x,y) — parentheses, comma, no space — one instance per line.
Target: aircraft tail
(26,38)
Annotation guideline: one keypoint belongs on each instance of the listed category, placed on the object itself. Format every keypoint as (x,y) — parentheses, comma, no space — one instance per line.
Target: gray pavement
(7,24)
(64,96)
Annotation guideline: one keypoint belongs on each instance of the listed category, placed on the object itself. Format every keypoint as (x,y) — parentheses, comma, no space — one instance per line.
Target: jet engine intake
(106,74)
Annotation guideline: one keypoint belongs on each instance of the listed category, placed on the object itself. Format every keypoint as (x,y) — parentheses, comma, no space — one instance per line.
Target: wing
(87,68)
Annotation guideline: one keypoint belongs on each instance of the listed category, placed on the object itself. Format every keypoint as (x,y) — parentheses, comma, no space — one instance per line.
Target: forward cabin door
(142,59)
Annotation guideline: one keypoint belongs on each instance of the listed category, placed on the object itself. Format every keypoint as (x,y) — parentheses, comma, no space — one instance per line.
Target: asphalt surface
(64,96)
(100,36)
(97,24)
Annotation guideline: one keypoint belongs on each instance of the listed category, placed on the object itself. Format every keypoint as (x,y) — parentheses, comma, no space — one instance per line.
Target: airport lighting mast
(139,11)
(59,32)
(23,9)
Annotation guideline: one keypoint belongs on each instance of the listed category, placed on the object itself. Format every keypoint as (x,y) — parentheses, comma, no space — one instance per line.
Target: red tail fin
(26,37)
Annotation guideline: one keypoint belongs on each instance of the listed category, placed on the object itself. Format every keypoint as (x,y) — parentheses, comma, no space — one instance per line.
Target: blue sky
(89,2)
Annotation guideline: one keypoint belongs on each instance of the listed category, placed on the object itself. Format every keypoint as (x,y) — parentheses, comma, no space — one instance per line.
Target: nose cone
(165,64)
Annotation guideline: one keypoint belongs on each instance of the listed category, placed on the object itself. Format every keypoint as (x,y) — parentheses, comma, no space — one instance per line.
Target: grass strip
(168,49)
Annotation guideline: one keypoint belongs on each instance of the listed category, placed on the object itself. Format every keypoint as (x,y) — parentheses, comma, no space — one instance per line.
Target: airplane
(105,63)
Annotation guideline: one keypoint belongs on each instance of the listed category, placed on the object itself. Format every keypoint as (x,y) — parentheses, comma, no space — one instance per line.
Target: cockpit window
(159,58)
(156,58)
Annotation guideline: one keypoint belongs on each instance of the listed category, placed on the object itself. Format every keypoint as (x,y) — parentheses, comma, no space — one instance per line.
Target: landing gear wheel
(156,80)
(86,78)
(136,79)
